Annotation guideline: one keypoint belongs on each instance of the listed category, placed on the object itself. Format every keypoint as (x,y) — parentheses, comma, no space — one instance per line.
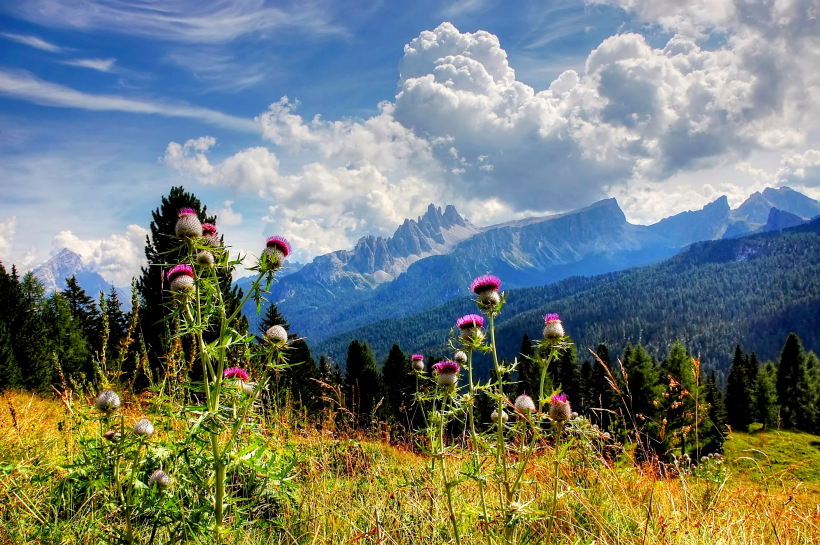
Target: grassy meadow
(346,487)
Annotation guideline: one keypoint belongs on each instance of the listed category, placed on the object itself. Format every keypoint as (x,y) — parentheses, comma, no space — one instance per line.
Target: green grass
(777,457)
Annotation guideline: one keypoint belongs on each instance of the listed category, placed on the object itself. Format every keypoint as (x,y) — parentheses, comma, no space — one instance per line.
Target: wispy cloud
(32,41)
(460,7)
(219,70)
(199,21)
(25,86)
(102,65)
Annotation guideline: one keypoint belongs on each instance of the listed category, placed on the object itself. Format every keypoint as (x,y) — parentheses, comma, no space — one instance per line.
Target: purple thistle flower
(418,357)
(552,317)
(236,372)
(560,398)
(486,282)
(208,229)
(180,270)
(281,243)
(469,321)
(187,212)
(446,367)
(560,409)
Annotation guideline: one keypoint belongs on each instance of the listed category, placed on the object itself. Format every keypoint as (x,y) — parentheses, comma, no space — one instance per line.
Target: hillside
(715,294)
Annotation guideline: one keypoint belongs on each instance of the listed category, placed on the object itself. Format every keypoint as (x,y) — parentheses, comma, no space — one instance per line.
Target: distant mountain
(779,220)
(54,272)
(710,296)
(433,259)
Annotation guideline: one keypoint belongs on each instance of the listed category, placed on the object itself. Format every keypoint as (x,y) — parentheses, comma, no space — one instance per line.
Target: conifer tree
(766,396)
(363,380)
(162,250)
(604,397)
(399,383)
(298,378)
(739,407)
(586,398)
(11,375)
(30,337)
(678,375)
(566,375)
(642,375)
(117,321)
(529,375)
(713,437)
(792,382)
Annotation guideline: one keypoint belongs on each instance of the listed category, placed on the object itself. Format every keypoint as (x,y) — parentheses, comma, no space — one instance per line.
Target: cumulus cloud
(639,122)
(7,230)
(227,216)
(117,258)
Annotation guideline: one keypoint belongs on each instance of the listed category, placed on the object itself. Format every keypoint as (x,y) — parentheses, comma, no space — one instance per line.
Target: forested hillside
(712,296)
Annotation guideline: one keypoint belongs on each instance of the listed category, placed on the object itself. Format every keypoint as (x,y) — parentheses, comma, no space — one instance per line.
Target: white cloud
(117,258)
(221,71)
(32,41)
(25,86)
(204,21)
(227,216)
(7,230)
(101,65)
(639,122)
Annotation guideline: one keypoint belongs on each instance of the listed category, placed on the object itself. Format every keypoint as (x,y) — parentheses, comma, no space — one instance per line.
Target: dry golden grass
(358,490)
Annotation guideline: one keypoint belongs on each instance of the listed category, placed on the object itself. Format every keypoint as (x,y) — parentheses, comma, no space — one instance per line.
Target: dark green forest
(712,296)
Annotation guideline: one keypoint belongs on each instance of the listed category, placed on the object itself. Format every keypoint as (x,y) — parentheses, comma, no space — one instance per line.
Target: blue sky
(95,95)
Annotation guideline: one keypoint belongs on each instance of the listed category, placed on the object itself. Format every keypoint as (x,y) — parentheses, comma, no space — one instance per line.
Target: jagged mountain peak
(67,263)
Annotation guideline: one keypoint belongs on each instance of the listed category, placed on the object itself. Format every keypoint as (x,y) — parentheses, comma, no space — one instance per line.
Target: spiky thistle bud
(470,324)
(210,236)
(446,372)
(188,224)
(460,357)
(486,289)
(181,278)
(144,428)
(277,334)
(418,362)
(560,411)
(205,258)
(160,479)
(524,404)
(277,250)
(108,402)
(553,328)
(249,388)
(494,416)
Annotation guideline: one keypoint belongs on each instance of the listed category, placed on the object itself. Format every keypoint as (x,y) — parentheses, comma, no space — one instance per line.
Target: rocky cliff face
(779,220)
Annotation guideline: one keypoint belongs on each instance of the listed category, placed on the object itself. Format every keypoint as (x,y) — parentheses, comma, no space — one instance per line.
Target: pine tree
(162,249)
(364,382)
(566,375)
(399,384)
(791,381)
(678,373)
(11,375)
(713,436)
(642,375)
(30,336)
(529,375)
(298,378)
(117,322)
(586,398)
(604,397)
(766,396)
(739,413)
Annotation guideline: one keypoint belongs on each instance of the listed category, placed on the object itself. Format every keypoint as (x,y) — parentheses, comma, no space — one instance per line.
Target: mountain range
(431,260)
(751,290)
(54,272)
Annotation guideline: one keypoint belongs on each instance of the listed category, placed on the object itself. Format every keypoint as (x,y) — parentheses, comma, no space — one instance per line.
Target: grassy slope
(343,484)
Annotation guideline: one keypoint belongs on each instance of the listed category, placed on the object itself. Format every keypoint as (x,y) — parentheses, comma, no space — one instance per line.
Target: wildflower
(277,334)
(553,328)
(236,372)
(188,224)
(210,235)
(108,402)
(205,258)
(112,436)
(249,388)
(181,278)
(559,408)
(524,404)
(446,372)
(504,416)
(144,428)
(159,478)
(418,362)
(486,288)
(277,250)
(460,357)
(469,324)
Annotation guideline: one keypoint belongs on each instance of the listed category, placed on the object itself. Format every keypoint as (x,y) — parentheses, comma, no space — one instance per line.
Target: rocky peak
(780,219)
